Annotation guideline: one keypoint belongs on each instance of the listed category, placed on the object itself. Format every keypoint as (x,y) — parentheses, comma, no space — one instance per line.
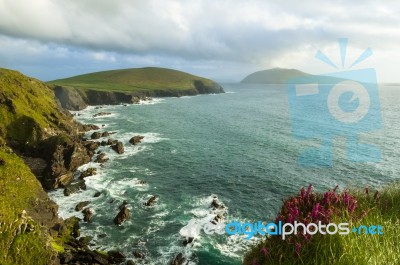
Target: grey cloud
(241,32)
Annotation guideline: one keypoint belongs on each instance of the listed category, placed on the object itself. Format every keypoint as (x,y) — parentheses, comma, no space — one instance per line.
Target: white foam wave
(152,101)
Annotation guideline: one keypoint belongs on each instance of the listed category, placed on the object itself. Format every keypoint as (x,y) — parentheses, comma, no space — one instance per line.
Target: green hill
(273,76)
(127,85)
(137,80)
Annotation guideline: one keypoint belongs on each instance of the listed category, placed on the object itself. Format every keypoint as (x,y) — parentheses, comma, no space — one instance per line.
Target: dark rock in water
(112,200)
(130,262)
(111,142)
(217,204)
(142,182)
(116,256)
(105,134)
(75,187)
(101,114)
(91,145)
(102,236)
(90,127)
(151,201)
(178,260)
(103,143)
(97,194)
(81,205)
(87,215)
(88,172)
(101,158)
(187,241)
(95,135)
(124,203)
(218,218)
(122,216)
(119,148)
(136,139)
(138,254)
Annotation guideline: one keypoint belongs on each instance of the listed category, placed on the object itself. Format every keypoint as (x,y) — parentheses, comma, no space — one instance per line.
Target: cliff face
(72,98)
(38,141)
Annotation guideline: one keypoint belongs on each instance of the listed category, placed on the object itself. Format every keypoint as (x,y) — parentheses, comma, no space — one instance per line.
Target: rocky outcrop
(116,256)
(81,205)
(75,187)
(87,215)
(63,156)
(137,139)
(91,145)
(118,147)
(101,158)
(70,98)
(95,135)
(101,114)
(122,216)
(151,201)
(179,259)
(64,180)
(88,172)
(138,254)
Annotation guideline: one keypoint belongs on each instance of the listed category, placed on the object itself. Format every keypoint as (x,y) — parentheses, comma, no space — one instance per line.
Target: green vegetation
(27,110)
(273,76)
(134,80)
(29,114)
(22,240)
(379,208)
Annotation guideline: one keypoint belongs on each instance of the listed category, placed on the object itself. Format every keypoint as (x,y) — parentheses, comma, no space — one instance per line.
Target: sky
(224,40)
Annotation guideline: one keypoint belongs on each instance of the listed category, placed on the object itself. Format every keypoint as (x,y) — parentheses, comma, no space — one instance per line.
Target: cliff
(129,86)
(38,141)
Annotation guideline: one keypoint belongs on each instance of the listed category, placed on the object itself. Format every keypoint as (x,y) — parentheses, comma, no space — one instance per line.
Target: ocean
(237,146)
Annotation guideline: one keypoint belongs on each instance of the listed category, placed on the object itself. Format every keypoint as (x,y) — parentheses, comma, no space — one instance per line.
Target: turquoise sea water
(236,145)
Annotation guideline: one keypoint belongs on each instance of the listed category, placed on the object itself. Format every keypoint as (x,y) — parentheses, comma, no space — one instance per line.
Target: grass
(133,80)
(28,114)
(19,189)
(382,208)
(30,108)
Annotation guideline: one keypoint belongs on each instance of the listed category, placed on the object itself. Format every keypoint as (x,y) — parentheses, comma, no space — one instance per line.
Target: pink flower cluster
(309,207)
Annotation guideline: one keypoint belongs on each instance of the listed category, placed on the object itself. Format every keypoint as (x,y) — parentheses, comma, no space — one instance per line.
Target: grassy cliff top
(273,76)
(134,80)
(27,108)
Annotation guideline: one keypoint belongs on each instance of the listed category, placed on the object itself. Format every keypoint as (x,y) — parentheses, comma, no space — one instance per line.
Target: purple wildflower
(264,251)
(298,248)
(309,190)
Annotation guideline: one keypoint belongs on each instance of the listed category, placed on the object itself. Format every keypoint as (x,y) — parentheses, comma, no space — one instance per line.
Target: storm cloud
(220,39)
